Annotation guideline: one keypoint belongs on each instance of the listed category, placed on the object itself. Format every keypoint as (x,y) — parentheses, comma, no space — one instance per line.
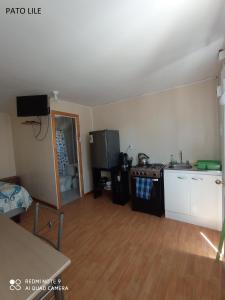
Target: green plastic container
(208,165)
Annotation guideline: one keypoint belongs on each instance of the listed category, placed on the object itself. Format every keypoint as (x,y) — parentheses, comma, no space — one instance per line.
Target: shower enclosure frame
(76,121)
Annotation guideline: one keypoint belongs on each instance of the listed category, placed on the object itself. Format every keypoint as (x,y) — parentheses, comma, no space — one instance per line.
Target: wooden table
(24,256)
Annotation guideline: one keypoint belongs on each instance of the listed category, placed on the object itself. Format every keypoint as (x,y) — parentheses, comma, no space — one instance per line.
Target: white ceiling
(99,51)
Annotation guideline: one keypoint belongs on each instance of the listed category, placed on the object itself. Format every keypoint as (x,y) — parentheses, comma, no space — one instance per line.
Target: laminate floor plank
(119,254)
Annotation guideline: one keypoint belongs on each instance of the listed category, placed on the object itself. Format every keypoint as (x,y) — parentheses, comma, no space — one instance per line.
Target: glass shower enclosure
(67,158)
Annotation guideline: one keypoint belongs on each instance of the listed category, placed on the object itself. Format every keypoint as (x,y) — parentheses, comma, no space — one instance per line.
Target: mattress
(13,197)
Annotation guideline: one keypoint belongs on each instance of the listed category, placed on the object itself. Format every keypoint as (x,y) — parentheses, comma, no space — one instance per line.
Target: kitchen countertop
(193,170)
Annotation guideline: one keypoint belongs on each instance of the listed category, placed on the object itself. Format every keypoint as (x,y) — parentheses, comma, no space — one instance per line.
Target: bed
(14,199)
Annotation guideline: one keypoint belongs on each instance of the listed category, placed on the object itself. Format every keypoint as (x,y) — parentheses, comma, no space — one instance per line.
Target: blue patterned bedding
(13,196)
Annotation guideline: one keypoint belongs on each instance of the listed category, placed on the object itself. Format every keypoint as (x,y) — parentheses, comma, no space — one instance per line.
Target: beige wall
(184,118)
(7,161)
(34,160)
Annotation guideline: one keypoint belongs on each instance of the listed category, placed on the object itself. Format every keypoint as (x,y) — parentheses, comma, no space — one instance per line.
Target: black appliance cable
(36,136)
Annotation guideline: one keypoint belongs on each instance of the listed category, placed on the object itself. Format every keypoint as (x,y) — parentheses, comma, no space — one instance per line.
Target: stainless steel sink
(180,166)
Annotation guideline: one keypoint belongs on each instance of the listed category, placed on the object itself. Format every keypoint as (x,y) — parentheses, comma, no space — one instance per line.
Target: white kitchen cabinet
(205,197)
(194,197)
(176,199)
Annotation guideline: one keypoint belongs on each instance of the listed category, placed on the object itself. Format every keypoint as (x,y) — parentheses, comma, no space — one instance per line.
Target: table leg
(58,292)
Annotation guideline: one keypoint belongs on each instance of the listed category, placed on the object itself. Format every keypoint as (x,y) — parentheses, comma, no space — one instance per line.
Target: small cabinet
(194,197)
(176,199)
(206,197)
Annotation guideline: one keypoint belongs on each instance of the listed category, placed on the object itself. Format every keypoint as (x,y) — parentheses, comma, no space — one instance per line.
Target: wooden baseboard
(12,179)
(45,203)
(88,193)
(54,206)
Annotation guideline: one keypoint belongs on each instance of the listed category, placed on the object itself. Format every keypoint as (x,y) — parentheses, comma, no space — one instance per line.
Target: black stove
(155,204)
(149,170)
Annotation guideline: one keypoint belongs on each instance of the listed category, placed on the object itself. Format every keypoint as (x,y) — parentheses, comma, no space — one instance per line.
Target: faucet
(181,156)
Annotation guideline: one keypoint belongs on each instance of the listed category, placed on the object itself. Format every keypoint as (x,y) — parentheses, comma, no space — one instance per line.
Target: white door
(205,198)
(177,198)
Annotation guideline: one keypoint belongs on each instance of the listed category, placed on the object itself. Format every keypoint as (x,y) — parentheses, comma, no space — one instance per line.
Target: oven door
(154,205)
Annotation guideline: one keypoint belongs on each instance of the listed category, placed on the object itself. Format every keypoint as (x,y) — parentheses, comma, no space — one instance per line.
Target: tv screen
(28,106)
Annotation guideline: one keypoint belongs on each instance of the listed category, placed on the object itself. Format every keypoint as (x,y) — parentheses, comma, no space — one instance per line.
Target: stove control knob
(137,173)
(154,174)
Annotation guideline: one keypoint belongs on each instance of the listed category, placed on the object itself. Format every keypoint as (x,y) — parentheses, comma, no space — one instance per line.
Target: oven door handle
(155,179)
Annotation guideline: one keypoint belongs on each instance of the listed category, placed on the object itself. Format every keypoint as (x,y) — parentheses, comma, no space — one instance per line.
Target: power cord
(38,134)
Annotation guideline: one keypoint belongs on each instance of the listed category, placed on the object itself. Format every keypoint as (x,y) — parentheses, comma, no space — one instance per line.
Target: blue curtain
(62,154)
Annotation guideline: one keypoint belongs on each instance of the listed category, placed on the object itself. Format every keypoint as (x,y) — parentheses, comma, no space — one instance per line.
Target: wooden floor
(118,254)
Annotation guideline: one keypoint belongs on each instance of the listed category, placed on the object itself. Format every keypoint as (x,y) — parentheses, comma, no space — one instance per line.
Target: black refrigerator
(105,148)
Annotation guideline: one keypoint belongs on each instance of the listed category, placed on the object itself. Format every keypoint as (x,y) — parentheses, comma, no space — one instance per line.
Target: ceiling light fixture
(55,95)
(222,93)
(219,91)
(221,54)
(222,99)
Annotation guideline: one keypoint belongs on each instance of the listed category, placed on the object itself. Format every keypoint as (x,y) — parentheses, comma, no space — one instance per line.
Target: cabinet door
(206,198)
(177,198)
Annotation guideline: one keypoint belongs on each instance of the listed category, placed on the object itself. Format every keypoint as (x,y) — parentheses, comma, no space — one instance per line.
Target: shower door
(67,152)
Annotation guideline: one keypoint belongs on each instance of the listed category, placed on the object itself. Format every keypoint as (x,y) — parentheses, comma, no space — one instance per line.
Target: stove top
(150,166)
(150,170)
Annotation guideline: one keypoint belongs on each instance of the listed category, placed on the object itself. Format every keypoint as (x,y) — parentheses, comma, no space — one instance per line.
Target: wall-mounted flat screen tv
(28,106)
